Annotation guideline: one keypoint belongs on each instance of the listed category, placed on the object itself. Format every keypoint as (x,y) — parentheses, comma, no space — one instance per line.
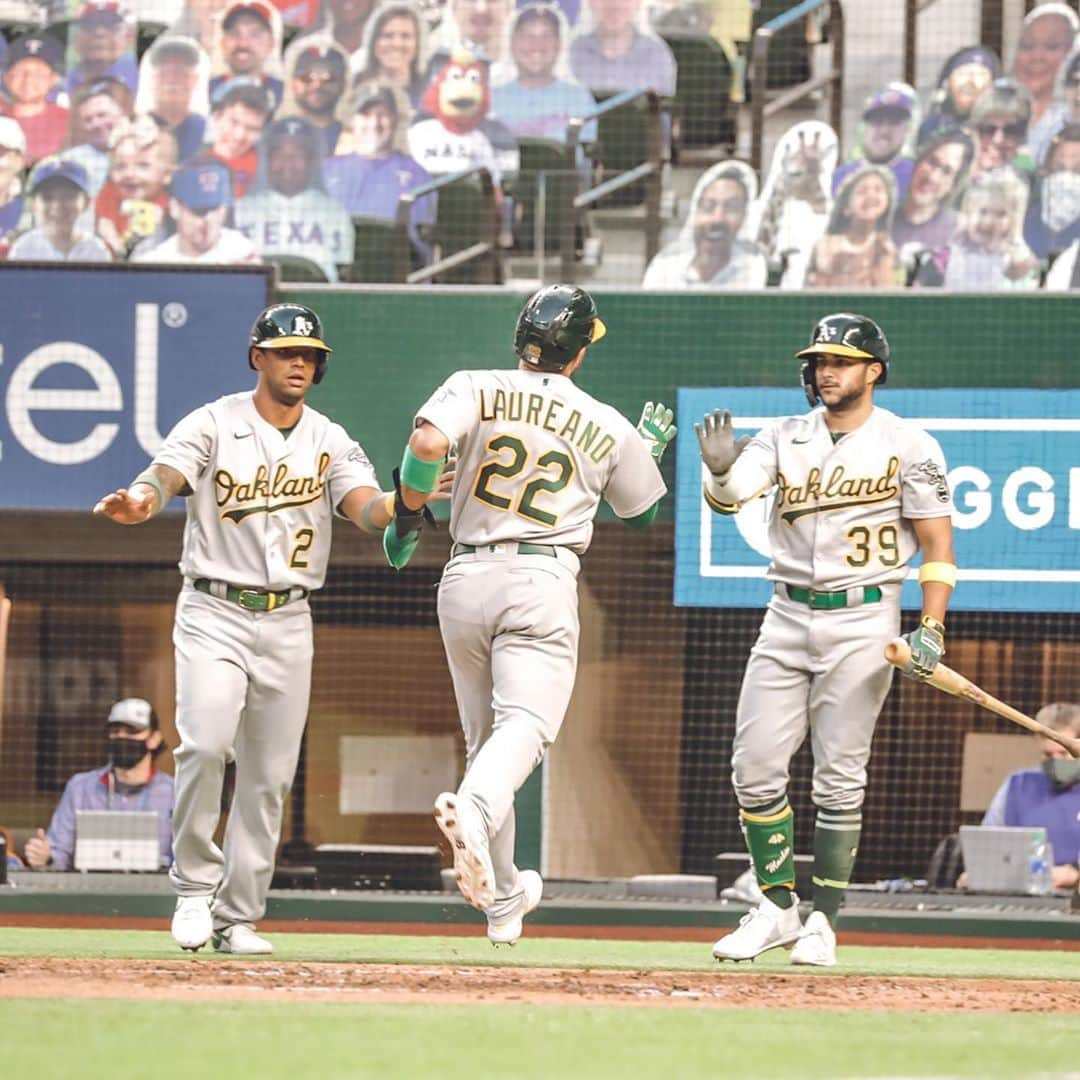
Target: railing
(649,171)
(487,247)
(991,30)
(760,109)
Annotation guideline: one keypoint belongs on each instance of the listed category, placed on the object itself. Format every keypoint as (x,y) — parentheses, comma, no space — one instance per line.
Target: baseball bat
(898,653)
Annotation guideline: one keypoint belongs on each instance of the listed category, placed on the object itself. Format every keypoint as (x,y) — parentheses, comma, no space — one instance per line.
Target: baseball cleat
(506,929)
(241,940)
(760,929)
(472,862)
(192,923)
(817,943)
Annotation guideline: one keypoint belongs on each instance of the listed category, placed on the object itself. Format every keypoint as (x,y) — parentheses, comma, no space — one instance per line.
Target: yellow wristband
(945,572)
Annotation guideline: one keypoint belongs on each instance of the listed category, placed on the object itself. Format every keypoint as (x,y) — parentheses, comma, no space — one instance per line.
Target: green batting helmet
(555,325)
(290,326)
(843,334)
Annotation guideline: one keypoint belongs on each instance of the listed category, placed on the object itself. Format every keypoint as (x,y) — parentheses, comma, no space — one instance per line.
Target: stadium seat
(547,157)
(622,143)
(703,111)
(789,55)
(466,218)
(296,268)
(381,252)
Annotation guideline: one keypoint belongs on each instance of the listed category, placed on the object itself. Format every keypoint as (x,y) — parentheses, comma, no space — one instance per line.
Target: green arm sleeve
(643,521)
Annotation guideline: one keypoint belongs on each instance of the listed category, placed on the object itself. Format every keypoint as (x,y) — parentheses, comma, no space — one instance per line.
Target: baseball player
(263,474)
(535,454)
(858,491)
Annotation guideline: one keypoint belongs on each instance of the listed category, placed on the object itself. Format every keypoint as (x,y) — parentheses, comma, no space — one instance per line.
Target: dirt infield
(213,978)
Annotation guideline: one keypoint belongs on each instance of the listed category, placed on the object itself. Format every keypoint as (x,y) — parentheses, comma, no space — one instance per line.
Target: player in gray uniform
(264,474)
(535,454)
(858,492)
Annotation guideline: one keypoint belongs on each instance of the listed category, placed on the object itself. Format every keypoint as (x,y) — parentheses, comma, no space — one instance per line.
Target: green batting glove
(656,428)
(927,643)
(400,537)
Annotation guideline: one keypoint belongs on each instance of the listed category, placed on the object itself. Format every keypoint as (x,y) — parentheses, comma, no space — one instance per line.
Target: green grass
(165,1040)
(549,952)
(361,1038)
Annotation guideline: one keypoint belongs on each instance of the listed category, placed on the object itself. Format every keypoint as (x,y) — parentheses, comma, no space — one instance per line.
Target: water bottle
(1040,866)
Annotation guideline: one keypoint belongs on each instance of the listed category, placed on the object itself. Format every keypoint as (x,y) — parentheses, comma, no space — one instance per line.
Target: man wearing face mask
(1053,218)
(128,782)
(1048,796)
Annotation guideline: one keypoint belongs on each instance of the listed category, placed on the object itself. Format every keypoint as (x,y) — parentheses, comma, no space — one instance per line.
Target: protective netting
(638,781)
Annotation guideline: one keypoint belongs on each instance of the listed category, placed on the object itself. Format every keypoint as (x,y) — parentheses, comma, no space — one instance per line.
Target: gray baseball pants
(243,679)
(510,629)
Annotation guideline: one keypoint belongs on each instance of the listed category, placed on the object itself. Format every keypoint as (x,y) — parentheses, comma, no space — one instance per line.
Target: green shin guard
(836,843)
(770,836)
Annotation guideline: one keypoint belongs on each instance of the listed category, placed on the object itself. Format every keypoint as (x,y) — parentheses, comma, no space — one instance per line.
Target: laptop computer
(997,858)
(117,840)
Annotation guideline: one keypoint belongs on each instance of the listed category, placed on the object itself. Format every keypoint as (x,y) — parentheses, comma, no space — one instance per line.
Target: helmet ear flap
(808,376)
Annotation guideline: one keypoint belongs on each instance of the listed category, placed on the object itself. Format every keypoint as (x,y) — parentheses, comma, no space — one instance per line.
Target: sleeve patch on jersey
(935,478)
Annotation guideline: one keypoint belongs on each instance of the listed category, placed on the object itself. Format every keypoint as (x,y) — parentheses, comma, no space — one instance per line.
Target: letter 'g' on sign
(23,400)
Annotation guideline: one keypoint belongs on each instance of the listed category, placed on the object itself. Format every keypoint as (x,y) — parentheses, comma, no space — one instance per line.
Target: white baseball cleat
(505,929)
(760,929)
(817,942)
(192,923)
(472,862)
(241,940)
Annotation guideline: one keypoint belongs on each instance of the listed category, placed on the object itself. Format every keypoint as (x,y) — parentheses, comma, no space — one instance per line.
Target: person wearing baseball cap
(174,75)
(12,163)
(317,76)
(103,36)
(288,212)
(886,136)
(33,68)
(201,196)
(250,46)
(59,196)
(372,179)
(129,781)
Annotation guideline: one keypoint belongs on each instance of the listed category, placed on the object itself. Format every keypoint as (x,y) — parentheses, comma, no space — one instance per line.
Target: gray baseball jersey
(538,453)
(535,456)
(259,516)
(842,512)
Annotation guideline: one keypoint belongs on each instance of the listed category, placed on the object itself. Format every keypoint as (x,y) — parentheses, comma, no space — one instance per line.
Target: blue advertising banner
(97,365)
(1014,470)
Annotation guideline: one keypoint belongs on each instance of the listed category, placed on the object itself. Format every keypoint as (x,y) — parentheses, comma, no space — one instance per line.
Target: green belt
(522,549)
(251,599)
(829,600)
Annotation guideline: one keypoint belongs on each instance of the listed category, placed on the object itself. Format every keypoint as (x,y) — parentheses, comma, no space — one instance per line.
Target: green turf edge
(163,1040)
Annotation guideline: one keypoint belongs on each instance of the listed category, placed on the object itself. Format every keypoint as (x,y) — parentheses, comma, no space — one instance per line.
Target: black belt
(250,599)
(522,549)
(871,594)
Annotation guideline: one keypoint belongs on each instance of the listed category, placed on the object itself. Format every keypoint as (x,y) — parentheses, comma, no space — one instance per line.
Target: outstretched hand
(656,428)
(719,447)
(126,508)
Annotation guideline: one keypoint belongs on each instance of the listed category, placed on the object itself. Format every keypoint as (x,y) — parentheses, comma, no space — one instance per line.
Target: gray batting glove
(719,447)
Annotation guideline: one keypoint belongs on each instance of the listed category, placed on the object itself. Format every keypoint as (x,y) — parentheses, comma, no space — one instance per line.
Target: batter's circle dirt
(215,978)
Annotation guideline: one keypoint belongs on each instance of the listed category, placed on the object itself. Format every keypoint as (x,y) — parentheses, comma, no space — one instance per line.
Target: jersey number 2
(554,461)
(303,539)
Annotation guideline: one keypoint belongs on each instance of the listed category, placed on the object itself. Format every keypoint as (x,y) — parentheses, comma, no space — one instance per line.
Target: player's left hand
(446,481)
(927,643)
(401,536)
(656,428)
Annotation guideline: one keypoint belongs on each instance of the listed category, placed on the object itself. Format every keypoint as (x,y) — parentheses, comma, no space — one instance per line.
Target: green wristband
(418,474)
(151,481)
